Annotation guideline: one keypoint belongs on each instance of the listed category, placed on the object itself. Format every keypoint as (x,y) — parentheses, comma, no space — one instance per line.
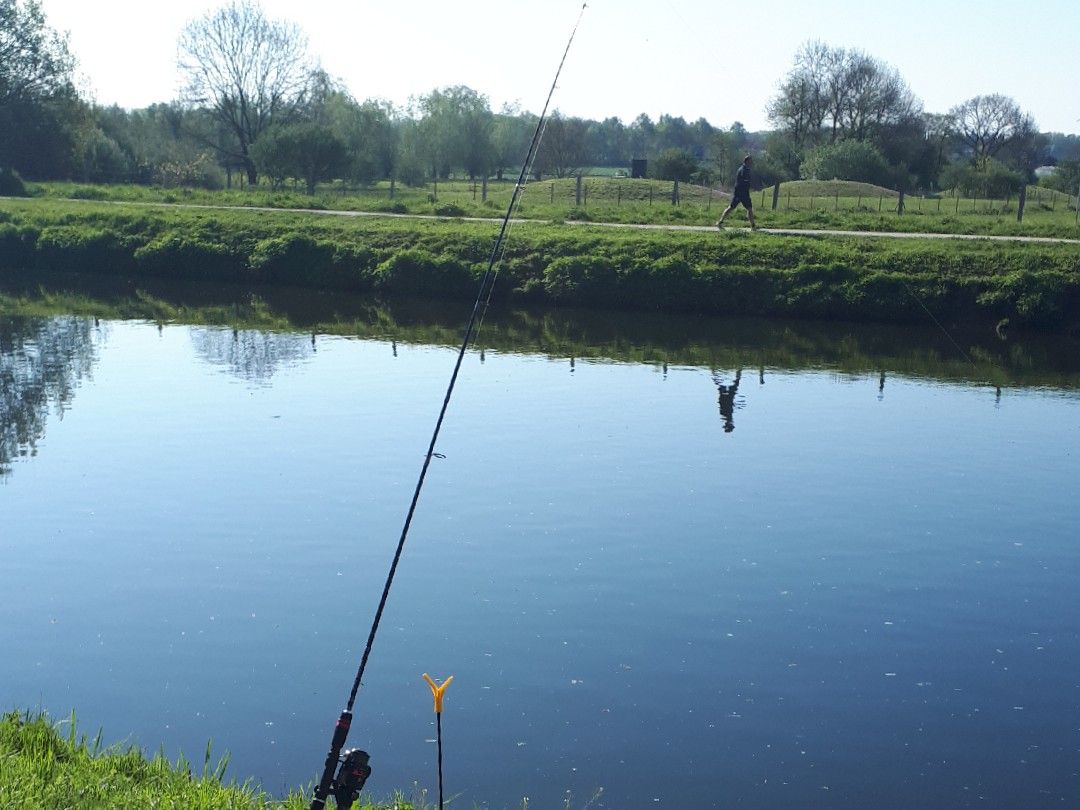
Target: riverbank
(44,763)
(729,273)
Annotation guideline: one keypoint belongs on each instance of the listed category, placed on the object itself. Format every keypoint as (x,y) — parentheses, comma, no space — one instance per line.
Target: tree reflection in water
(42,363)
(250,354)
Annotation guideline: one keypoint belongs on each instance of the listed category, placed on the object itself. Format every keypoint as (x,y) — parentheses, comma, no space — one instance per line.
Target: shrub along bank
(721,273)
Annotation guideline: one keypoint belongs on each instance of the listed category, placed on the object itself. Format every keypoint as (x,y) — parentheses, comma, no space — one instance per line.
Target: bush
(418,272)
(449,210)
(299,259)
(847,160)
(11,185)
(79,247)
(190,256)
(993,180)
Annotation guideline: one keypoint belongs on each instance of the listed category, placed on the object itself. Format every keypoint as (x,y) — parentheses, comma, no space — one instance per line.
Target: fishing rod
(352,768)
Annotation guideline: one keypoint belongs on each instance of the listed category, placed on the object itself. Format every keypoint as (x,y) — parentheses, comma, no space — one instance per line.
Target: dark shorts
(741,196)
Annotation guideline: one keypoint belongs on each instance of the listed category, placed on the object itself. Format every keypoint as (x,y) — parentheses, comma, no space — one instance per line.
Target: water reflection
(250,354)
(726,396)
(42,362)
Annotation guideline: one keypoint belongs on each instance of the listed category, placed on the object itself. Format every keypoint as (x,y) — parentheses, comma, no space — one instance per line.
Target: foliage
(251,72)
(674,164)
(986,124)
(1066,177)
(988,178)
(691,272)
(40,767)
(847,160)
(308,151)
(11,185)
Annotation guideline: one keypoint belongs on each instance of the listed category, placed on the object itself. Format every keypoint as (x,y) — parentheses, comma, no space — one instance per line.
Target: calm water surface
(688,585)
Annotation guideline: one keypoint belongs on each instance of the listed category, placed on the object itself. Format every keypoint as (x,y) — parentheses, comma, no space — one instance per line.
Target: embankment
(714,273)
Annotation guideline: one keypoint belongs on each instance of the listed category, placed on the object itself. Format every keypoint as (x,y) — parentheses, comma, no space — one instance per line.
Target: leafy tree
(674,164)
(833,94)
(1066,177)
(34,60)
(251,72)
(562,150)
(39,109)
(989,179)
(306,150)
(847,160)
(511,135)
(455,128)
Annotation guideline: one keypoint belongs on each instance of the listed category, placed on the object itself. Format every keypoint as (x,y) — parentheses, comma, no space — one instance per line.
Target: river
(669,562)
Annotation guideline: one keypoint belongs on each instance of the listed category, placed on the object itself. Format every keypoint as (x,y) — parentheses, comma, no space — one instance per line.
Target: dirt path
(816,232)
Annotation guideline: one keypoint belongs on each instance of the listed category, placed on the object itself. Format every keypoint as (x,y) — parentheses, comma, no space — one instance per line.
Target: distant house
(1045,171)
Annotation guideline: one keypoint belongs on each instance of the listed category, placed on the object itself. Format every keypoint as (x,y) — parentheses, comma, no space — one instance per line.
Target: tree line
(256,106)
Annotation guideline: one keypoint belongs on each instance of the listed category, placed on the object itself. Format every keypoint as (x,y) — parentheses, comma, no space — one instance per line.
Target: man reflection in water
(727,399)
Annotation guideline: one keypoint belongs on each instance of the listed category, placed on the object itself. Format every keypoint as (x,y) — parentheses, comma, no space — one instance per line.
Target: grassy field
(44,764)
(706,272)
(801,204)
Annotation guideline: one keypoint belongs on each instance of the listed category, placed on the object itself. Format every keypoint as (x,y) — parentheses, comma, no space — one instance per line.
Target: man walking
(741,194)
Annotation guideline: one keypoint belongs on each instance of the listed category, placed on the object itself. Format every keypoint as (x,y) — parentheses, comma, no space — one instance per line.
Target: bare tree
(249,71)
(986,124)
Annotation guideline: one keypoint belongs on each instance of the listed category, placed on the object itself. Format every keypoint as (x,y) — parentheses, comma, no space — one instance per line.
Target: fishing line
(341,729)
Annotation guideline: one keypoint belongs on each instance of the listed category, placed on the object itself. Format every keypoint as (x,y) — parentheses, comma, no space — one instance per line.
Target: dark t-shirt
(742,179)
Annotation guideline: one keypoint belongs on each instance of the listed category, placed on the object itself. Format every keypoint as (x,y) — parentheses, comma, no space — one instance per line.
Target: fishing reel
(351,776)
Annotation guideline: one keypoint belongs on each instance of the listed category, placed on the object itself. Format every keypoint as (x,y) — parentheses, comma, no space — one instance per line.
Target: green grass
(44,764)
(839,205)
(706,272)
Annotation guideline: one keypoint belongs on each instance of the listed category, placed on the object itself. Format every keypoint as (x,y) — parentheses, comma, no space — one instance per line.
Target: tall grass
(47,764)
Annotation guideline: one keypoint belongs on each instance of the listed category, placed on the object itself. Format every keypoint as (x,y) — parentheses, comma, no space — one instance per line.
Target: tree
(847,160)
(39,109)
(250,71)
(455,129)
(674,164)
(306,150)
(837,94)
(511,136)
(985,124)
(34,60)
(562,150)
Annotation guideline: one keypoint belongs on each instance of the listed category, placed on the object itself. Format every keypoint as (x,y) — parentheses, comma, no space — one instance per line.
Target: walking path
(819,232)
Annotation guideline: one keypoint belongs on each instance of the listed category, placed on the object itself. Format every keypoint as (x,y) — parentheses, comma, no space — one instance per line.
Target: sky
(689,58)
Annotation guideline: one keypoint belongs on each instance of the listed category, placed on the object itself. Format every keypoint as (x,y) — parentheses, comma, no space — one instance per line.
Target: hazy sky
(692,58)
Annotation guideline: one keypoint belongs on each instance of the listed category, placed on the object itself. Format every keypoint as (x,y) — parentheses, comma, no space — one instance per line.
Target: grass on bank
(44,767)
(840,205)
(704,272)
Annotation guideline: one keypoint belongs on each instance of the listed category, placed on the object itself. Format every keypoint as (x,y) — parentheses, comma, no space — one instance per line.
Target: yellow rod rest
(437,690)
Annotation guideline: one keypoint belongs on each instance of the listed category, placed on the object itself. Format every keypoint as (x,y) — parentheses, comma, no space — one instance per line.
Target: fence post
(553,192)
(618,195)
(577,192)
(1078,205)
(880,200)
(675,193)
(775,194)
(858,202)
(811,202)
(900,204)
(836,202)
(483,190)
(1020,203)
(650,195)
(585,195)
(787,206)
(957,211)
